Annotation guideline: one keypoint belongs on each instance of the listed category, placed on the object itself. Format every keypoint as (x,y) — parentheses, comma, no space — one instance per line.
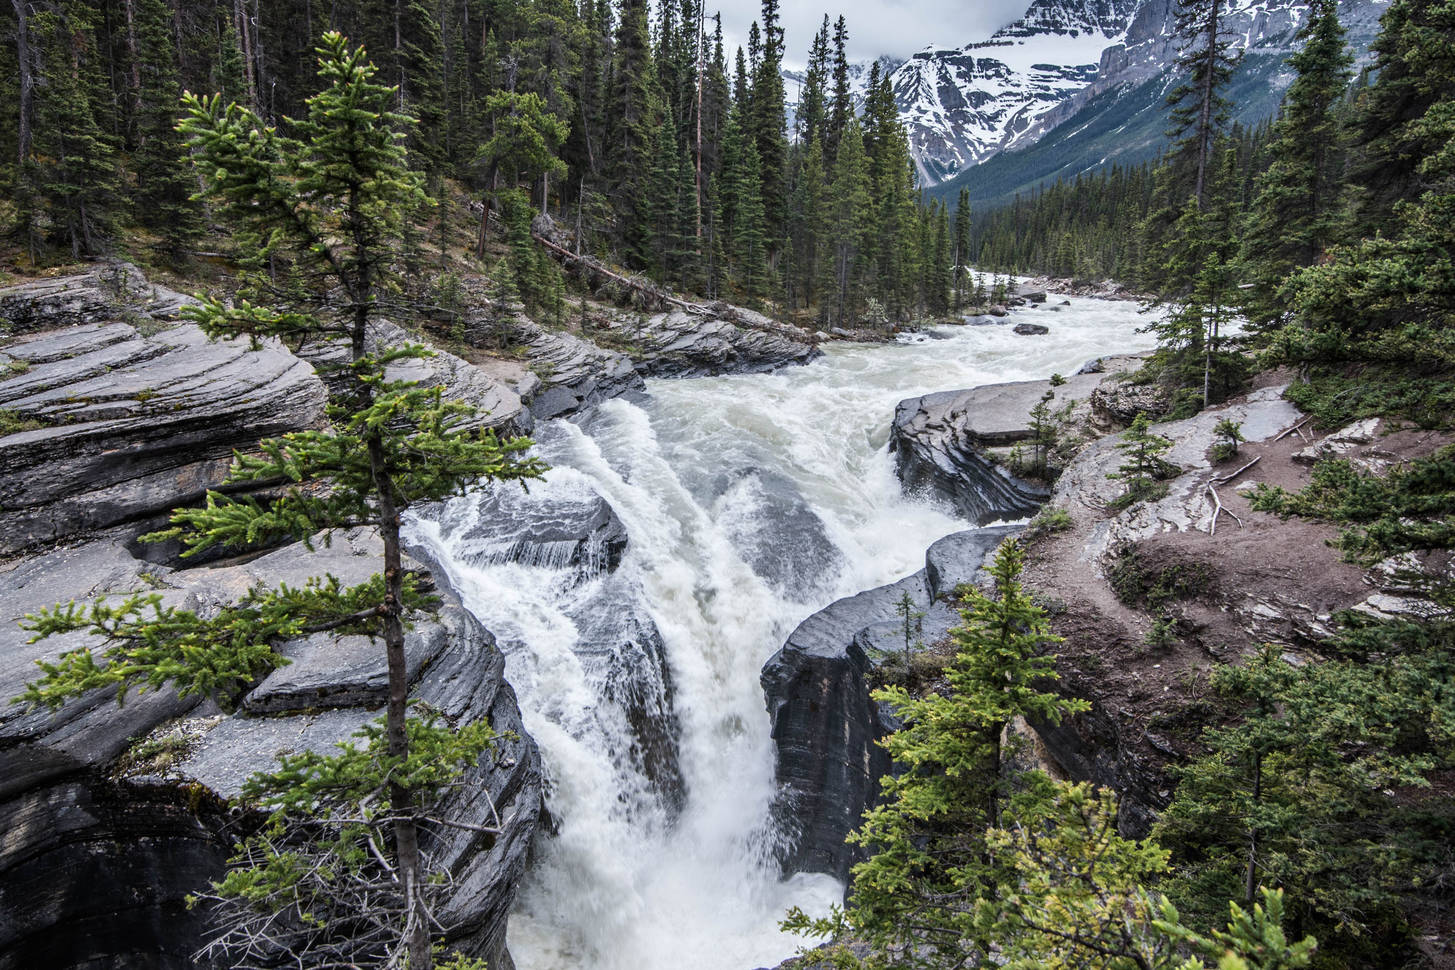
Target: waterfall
(745,503)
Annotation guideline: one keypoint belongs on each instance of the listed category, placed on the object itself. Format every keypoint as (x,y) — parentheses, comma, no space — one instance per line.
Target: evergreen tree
(72,170)
(1391,141)
(812,103)
(1199,109)
(914,896)
(332,196)
(962,247)
(524,145)
(1294,215)
(841,107)
(849,225)
(767,125)
(1386,305)
(162,199)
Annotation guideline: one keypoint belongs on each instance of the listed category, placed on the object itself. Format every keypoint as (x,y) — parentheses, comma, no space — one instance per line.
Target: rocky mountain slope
(1086,79)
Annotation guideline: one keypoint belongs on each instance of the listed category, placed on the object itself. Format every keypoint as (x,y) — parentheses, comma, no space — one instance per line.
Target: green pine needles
(338,875)
(979,863)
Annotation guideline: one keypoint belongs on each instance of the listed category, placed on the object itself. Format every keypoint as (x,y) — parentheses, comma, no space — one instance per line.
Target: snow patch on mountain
(964,105)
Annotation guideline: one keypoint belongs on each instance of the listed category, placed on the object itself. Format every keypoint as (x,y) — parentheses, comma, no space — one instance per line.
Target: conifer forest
(557,483)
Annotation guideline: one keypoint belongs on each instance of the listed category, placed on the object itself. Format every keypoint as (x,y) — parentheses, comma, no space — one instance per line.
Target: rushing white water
(786,473)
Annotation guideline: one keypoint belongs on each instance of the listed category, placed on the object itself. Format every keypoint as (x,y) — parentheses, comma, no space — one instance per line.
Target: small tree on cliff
(327,204)
(914,896)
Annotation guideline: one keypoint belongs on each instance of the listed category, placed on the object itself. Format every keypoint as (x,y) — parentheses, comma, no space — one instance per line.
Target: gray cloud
(897,27)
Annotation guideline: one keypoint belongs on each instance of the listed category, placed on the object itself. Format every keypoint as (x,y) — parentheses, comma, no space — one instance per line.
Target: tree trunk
(401,799)
(245,38)
(27,75)
(134,75)
(1250,877)
(1204,122)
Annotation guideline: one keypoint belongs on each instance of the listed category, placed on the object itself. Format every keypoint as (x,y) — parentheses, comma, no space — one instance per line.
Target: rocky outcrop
(1254,579)
(114,814)
(730,340)
(575,373)
(112,291)
(117,423)
(824,724)
(935,454)
(114,413)
(951,444)
(499,402)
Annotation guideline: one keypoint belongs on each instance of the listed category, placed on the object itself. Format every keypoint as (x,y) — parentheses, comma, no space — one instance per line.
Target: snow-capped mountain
(965,105)
(1085,62)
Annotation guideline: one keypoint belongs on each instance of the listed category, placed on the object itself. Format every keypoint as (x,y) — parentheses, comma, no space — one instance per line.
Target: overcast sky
(898,27)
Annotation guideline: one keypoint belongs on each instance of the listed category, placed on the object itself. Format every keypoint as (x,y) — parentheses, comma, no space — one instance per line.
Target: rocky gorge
(115,411)
(648,624)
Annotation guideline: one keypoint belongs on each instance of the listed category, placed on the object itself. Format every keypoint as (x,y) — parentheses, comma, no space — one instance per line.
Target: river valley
(748,502)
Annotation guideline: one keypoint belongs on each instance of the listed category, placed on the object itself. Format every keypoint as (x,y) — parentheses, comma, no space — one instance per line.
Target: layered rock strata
(824,724)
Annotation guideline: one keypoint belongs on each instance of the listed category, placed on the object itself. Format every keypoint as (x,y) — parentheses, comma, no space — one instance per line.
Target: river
(750,502)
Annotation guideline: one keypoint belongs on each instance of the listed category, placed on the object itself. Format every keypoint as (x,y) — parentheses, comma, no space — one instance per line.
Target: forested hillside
(658,148)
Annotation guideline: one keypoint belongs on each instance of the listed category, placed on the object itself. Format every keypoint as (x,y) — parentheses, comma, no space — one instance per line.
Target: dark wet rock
(825,725)
(777,532)
(624,649)
(1031,329)
(731,340)
(100,853)
(934,454)
(126,426)
(574,373)
(547,527)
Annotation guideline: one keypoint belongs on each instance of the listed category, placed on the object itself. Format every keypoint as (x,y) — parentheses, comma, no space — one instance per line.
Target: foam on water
(626,882)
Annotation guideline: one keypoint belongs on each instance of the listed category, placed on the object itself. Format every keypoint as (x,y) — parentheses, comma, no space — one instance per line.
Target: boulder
(1031,329)
(934,453)
(731,340)
(824,724)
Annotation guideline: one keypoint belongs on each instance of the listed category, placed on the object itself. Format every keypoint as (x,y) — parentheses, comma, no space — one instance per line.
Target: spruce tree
(1412,77)
(849,225)
(767,125)
(841,107)
(1295,212)
(962,246)
(75,169)
(330,197)
(915,895)
(1199,108)
(162,200)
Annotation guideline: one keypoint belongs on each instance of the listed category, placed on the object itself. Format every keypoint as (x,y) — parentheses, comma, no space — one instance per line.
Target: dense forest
(655,146)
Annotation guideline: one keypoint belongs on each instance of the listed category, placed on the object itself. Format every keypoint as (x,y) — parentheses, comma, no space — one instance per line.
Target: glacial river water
(712,477)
